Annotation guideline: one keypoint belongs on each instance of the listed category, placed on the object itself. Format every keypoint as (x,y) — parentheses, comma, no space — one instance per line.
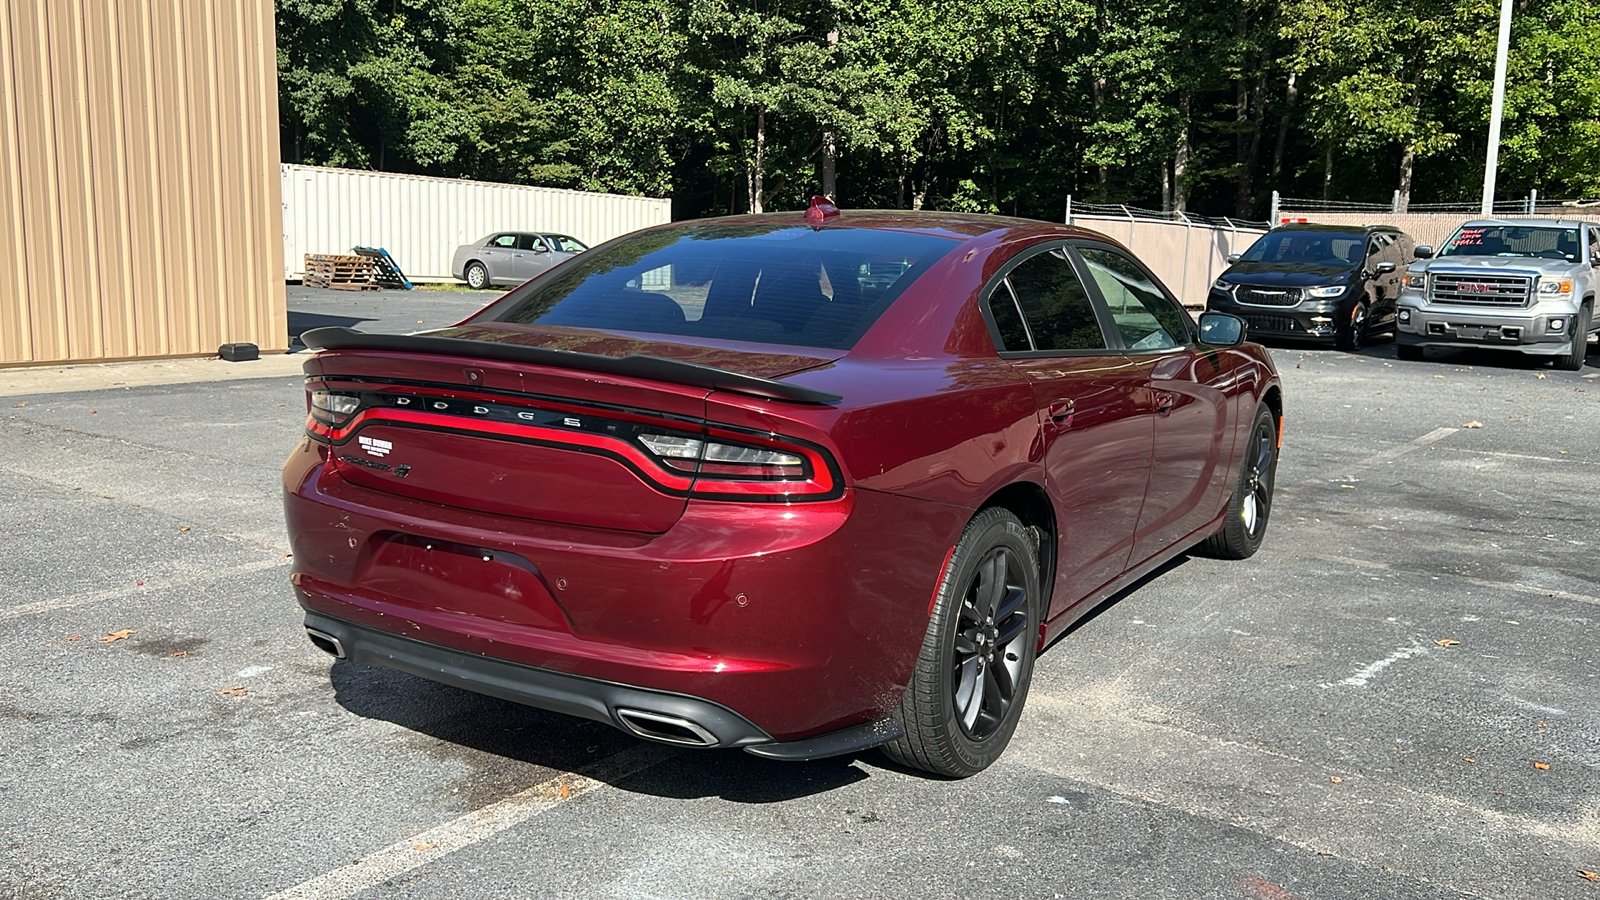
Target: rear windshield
(770,284)
(1513,240)
(1319,248)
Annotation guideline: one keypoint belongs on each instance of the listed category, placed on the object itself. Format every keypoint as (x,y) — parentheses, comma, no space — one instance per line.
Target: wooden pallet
(340,272)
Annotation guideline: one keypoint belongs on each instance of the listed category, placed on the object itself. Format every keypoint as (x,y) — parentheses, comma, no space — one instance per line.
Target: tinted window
(1008,319)
(529,242)
(1146,317)
(772,284)
(1322,248)
(1513,240)
(508,241)
(1054,303)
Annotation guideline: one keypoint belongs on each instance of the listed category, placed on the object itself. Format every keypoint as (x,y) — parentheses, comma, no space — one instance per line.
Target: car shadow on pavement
(302,322)
(489,736)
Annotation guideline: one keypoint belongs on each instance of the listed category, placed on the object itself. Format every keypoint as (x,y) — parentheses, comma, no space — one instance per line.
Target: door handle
(1061,412)
(1164,401)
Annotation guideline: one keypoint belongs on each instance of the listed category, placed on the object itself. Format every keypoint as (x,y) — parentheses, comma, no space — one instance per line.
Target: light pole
(1502,50)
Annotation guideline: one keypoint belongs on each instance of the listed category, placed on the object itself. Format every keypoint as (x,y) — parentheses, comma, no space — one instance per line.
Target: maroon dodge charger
(803,484)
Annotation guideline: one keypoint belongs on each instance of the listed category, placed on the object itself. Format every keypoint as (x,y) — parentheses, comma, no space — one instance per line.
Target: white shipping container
(421,221)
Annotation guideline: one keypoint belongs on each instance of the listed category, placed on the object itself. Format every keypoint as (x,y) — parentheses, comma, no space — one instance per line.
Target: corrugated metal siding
(139,206)
(421,221)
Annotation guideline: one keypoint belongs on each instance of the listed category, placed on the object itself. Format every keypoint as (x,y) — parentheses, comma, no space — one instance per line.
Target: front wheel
(1353,336)
(1572,360)
(1246,523)
(976,662)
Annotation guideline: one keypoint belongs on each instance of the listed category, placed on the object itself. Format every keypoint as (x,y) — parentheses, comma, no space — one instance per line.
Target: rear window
(1317,248)
(770,284)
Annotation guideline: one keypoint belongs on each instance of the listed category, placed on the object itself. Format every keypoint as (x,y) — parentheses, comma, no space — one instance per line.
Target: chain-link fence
(1427,223)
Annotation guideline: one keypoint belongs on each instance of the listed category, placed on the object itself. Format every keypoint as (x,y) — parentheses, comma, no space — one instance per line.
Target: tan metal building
(140,210)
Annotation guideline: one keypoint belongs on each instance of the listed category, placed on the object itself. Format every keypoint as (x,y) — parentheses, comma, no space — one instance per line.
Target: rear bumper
(799,620)
(654,715)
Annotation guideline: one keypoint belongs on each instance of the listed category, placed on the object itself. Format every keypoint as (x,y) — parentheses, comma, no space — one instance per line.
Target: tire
(1251,504)
(1353,334)
(960,709)
(1408,352)
(1572,360)
(477,276)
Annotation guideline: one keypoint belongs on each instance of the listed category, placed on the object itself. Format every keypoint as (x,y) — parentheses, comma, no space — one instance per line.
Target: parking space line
(1432,437)
(202,577)
(1479,582)
(396,859)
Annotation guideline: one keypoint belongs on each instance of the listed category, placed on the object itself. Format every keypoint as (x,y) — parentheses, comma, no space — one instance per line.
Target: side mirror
(1422,251)
(1233,258)
(1221,329)
(1385,267)
(541,249)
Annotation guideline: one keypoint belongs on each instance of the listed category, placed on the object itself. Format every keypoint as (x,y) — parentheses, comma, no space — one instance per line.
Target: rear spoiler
(655,368)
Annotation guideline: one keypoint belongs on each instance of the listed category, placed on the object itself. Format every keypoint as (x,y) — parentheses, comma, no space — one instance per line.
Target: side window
(529,242)
(1594,245)
(1053,303)
(1146,317)
(1008,319)
(507,241)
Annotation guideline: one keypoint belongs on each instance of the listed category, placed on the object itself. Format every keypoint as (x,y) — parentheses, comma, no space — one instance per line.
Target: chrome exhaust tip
(666,729)
(326,642)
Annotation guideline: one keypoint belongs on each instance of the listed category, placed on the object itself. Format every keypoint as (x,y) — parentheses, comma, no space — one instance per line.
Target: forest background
(1001,106)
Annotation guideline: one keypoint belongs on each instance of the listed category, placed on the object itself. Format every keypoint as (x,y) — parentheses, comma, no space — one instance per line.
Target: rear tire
(1248,509)
(1408,352)
(976,662)
(1572,360)
(477,276)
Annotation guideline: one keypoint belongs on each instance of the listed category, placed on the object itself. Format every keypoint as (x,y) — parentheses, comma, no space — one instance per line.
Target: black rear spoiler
(651,367)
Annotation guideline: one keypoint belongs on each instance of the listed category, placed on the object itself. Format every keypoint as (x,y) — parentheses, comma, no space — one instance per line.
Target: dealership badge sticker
(375,447)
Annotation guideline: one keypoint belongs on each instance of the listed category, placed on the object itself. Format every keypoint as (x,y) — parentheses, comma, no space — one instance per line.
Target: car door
(1179,397)
(1094,443)
(499,255)
(536,255)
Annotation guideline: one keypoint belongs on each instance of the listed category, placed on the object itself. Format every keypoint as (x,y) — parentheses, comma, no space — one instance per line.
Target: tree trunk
(1180,157)
(1099,90)
(1291,93)
(1166,186)
(830,187)
(756,191)
(1408,160)
(1327,169)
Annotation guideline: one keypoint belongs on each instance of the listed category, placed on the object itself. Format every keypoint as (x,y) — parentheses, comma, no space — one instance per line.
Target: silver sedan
(511,257)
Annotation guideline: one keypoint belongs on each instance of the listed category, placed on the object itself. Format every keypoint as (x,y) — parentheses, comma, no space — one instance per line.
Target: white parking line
(202,577)
(1432,437)
(1467,579)
(1372,671)
(381,865)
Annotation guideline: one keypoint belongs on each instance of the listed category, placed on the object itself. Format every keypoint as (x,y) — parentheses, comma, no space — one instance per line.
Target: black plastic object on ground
(239,352)
(386,271)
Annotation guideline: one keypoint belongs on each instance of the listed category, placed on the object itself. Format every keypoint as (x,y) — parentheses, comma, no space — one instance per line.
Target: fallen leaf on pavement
(1468,759)
(1541,724)
(75,637)
(1543,767)
(423,846)
(183,528)
(1447,642)
(1473,424)
(18,405)
(1592,876)
(92,411)
(235,691)
(1335,779)
(1543,376)
(116,636)
(565,791)
(180,654)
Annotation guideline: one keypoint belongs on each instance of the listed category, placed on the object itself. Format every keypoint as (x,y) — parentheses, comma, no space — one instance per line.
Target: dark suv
(1334,283)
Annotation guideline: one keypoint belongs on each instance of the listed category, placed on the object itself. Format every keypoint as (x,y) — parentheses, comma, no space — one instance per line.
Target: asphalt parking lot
(1395,698)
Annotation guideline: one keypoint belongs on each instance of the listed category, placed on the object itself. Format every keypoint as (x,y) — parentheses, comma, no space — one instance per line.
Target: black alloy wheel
(1251,504)
(1352,336)
(976,663)
(477,276)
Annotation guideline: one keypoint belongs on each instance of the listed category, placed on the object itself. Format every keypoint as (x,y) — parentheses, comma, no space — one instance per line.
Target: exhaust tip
(667,729)
(326,642)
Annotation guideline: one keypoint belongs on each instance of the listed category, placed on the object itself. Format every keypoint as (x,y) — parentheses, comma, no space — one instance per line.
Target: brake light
(746,471)
(329,410)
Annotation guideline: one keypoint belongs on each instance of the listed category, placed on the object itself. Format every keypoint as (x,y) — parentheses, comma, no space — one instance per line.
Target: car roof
(1528,223)
(960,226)
(1343,229)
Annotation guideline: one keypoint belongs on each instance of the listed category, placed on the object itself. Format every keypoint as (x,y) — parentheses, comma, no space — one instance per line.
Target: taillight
(329,410)
(730,470)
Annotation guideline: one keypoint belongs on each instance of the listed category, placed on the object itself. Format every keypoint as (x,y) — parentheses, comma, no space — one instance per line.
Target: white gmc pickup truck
(1519,284)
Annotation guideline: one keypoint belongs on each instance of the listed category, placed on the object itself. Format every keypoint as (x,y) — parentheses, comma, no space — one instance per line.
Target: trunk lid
(439,418)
